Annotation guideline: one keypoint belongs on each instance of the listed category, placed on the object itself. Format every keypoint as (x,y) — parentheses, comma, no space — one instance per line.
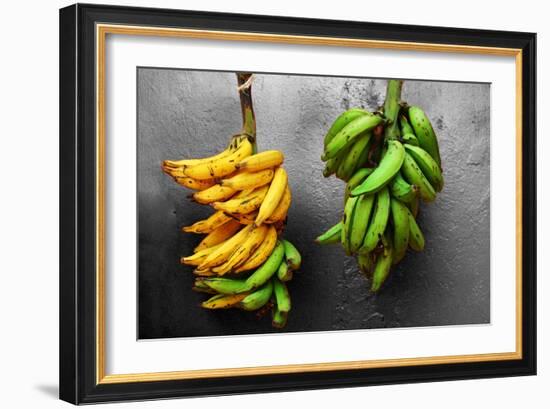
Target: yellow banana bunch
(241,260)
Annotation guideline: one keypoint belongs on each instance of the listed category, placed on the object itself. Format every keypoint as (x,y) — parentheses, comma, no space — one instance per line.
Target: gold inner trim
(100,205)
(103,29)
(519,204)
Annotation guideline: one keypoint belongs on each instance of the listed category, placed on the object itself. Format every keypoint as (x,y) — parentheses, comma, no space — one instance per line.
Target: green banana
(363,156)
(383,265)
(358,177)
(258,298)
(342,120)
(201,287)
(282,297)
(278,318)
(387,168)
(403,190)
(226,286)
(413,174)
(332,165)
(404,126)
(266,270)
(353,157)
(366,263)
(360,222)
(416,238)
(424,132)
(410,139)
(284,273)
(427,165)
(414,206)
(292,255)
(332,235)
(349,133)
(379,221)
(400,218)
(349,211)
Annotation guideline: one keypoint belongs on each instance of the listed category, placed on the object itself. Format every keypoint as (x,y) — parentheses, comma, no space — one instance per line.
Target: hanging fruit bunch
(242,260)
(390,160)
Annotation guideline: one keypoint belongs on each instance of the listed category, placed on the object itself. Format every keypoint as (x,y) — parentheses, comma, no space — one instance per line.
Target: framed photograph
(257,203)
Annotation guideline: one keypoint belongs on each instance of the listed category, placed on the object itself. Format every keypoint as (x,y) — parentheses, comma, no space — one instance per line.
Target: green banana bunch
(348,142)
(391,162)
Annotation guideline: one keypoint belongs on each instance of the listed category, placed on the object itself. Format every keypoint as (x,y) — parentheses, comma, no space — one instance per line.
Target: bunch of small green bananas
(389,162)
(251,196)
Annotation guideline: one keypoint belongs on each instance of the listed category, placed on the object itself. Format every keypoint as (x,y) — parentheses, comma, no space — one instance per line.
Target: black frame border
(78,197)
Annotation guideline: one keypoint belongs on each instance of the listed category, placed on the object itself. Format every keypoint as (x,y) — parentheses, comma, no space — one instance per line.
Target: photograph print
(271,203)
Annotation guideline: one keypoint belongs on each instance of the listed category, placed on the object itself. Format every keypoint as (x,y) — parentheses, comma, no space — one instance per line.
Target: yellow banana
(262,252)
(169,166)
(244,218)
(243,205)
(197,258)
(214,193)
(223,301)
(273,196)
(220,167)
(262,160)
(243,193)
(221,254)
(191,183)
(176,172)
(204,273)
(207,225)
(219,235)
(183,163)
(243,252)
(248,180)
(280,212)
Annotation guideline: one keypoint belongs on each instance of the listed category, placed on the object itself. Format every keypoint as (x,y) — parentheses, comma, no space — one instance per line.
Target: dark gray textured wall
(192,114)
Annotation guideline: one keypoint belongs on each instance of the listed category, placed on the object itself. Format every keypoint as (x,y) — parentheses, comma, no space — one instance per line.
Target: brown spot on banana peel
(378,131)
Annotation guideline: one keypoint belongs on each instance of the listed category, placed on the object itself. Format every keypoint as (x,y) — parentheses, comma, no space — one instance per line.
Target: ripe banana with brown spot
(208,225)
(243,251)
(214,193)
(262,252)
(221,254)
(220,167)
(248,180)
(273,196)
(281,211)
(243,205)
(261,161)
(219,235)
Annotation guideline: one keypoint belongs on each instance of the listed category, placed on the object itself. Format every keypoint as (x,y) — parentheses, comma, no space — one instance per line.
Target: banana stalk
(392,107)
(244,81)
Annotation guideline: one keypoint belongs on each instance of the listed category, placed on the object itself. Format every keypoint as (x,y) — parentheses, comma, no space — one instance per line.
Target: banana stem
(244,81)
(391,108)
